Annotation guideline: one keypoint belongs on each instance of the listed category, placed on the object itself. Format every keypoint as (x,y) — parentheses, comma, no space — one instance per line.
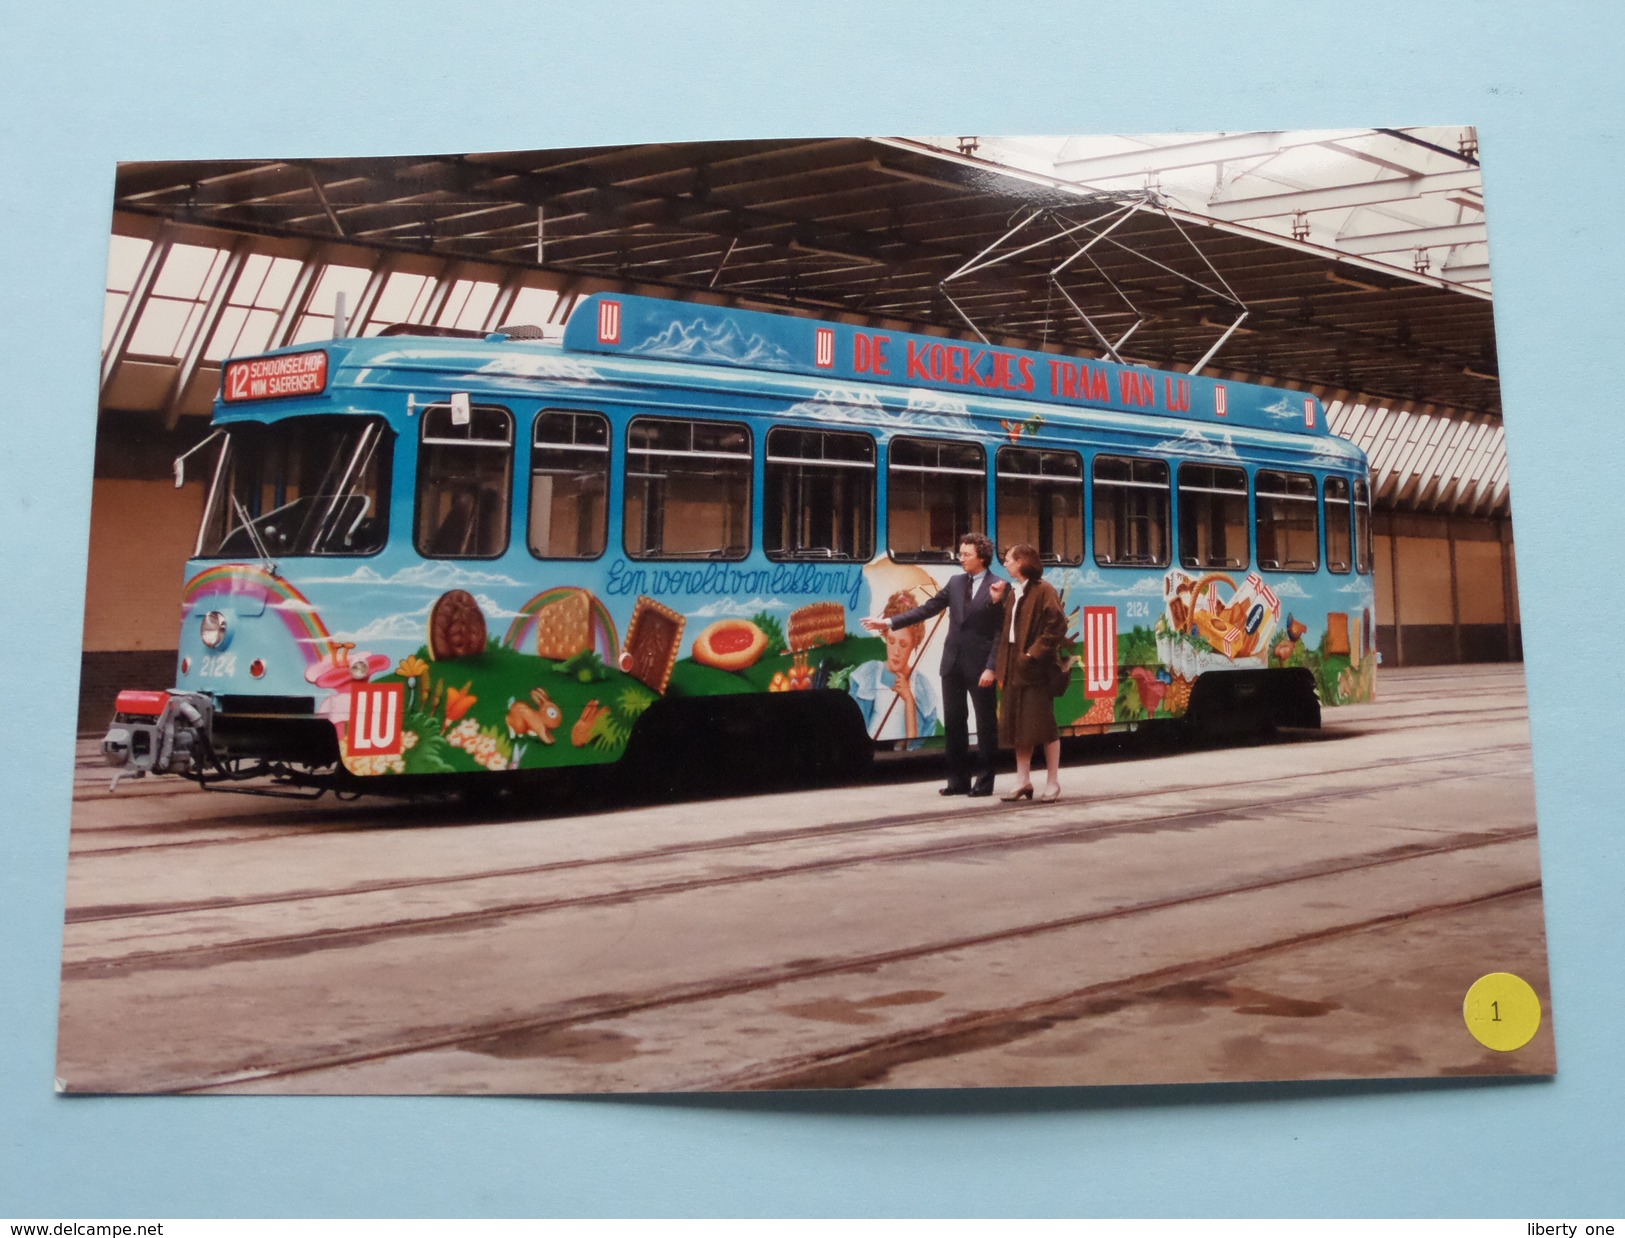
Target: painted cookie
(456,627)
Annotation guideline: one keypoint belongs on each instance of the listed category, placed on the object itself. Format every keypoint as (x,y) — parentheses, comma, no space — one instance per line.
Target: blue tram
(429,555)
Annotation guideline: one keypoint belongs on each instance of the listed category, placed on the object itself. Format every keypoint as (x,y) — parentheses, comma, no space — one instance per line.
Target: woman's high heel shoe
(1020,793)
(1054,793)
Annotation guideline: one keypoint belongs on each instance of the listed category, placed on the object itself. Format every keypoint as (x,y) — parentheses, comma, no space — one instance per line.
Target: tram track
(461,920)
(917,1041)
(381,816)
(92,914)
(830,938)
(368,808)
(868,1062)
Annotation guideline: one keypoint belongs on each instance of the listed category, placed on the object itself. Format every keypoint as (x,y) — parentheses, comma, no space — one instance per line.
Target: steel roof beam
(1397,431)
(1419,469)
(1369,156)
(606,201)
(1225,148)
(1363,415)
(1419,432)
(1480,463)
(1402,445)
(1378,440)
(1490,492)
(1473,443)
(1452,452)
(1341,197)
(1414,238)
(1500,493)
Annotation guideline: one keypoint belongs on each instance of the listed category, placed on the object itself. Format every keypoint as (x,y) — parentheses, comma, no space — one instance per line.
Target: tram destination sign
(275,378)
(716,335)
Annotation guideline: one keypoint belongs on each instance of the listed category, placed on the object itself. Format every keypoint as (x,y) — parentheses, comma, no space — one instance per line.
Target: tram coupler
(157,733)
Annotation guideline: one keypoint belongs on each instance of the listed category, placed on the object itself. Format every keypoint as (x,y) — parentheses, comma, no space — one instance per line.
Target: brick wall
(140,535)
(1451,584)
(104,673)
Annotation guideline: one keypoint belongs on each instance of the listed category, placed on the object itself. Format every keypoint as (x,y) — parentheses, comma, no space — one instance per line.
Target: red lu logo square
(376,713)
(1100,651)
(609,322)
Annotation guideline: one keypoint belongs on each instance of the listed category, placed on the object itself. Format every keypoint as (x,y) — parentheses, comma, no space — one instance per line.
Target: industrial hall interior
(1349,263)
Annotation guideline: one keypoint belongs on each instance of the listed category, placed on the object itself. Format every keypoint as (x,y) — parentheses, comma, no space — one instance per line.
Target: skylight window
(125,254)
(316,323)
(175,308)
(252,306)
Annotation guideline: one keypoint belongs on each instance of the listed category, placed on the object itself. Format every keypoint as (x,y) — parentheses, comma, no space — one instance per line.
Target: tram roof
(823,368)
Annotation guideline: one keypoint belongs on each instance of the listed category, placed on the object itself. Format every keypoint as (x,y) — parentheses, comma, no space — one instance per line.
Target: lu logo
(375,719)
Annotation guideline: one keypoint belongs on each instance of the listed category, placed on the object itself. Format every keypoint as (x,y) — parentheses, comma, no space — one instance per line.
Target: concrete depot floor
(1311,908)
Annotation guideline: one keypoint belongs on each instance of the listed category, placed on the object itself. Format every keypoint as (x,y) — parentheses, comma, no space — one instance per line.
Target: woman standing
(1029,666)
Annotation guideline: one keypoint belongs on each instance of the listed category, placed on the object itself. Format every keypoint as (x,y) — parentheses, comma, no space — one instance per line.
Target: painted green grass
(498,678)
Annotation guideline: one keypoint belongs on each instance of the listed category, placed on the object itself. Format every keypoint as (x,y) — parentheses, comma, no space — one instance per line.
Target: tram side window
(687,489)
(1339,547)
(1131,512)
(1362,528)
(820,501)
(569,485)
(464,478)
(1212,516)
(1288,529)
(1038,498)
(936,492)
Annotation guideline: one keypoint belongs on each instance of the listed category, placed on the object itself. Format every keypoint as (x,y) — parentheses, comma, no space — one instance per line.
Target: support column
(1504,528)
(1393,573)
(1455,594)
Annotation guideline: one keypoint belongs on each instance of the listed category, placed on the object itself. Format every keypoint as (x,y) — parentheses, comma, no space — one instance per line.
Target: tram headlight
(215,631)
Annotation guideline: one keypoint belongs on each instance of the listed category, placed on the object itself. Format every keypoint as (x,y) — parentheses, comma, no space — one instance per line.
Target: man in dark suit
(968,657)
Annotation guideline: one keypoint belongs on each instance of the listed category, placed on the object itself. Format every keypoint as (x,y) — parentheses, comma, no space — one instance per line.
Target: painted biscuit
(456,626)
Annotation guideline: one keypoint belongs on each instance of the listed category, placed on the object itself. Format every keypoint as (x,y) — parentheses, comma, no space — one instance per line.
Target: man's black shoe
(953,790)
(975,791)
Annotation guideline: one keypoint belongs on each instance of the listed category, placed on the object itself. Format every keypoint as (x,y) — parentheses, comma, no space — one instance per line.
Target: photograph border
(182,80)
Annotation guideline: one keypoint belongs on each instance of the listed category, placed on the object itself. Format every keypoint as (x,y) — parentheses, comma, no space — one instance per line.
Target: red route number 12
(269,378)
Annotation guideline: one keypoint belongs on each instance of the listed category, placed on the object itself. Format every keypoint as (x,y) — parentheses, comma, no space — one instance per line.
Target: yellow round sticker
(1502,1011)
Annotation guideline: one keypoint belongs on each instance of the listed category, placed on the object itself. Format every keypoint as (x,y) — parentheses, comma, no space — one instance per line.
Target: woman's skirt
(1026,716)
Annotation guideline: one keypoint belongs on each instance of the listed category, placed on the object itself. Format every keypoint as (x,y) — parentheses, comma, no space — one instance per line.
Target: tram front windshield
(304,486)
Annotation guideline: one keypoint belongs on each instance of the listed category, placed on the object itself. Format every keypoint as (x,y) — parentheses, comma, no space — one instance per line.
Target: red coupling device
(138,701)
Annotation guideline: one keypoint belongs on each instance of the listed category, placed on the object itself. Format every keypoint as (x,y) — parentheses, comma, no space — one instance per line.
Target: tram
(426,557)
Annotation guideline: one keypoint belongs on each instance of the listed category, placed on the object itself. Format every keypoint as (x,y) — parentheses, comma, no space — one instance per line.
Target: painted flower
(415,671)
(458,702)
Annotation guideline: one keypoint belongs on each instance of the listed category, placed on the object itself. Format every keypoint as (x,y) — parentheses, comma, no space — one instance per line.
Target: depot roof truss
(886,232)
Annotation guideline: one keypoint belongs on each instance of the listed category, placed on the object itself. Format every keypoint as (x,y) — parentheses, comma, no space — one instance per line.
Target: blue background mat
(80,91)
